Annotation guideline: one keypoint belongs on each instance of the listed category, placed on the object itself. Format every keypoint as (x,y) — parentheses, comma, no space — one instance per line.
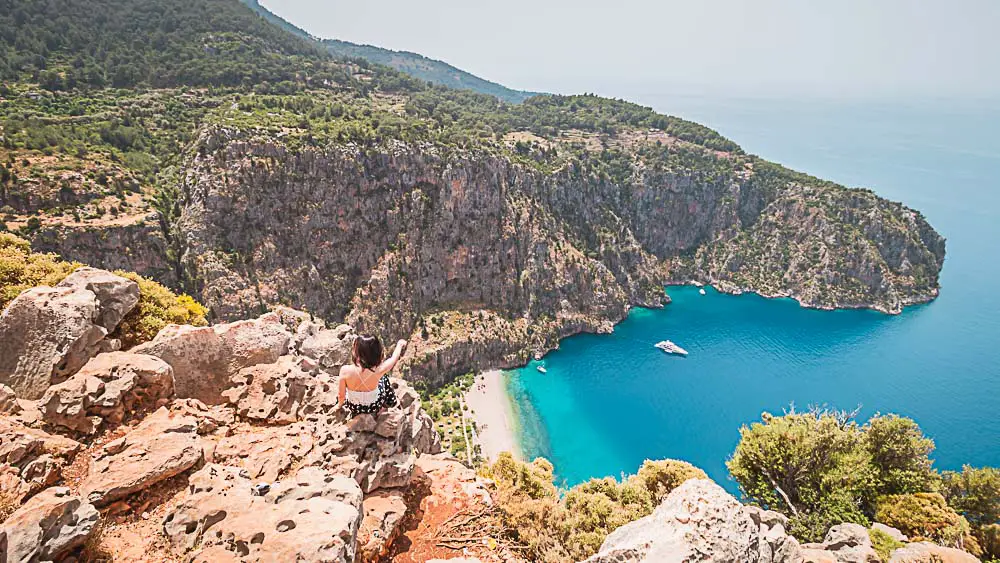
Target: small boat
(671,348)
(701,291)
(542,369)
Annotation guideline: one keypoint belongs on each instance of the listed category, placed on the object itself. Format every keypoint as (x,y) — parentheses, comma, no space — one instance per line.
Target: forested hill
(413,64)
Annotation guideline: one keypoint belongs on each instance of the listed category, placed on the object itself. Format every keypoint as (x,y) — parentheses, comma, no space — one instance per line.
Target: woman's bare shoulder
(349,370)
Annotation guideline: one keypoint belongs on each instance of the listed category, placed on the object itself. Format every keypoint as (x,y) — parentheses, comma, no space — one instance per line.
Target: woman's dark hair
(368,351)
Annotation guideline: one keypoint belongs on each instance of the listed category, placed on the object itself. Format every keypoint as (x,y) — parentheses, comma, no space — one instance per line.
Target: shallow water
(610,401)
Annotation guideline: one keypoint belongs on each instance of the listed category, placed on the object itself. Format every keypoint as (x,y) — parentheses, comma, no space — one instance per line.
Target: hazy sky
(834,48)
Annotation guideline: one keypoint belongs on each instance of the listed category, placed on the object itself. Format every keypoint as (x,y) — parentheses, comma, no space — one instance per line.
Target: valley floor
(490,407)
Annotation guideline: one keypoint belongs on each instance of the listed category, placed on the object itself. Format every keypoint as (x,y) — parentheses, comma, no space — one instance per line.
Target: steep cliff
(483,258)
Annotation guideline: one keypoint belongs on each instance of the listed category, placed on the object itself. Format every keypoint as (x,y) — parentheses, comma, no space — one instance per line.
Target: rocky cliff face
(398,238)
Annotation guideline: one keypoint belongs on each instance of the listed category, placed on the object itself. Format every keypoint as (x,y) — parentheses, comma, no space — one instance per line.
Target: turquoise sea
(610,401)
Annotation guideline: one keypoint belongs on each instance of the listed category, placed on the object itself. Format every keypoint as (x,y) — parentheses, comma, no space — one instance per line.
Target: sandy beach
(490,407)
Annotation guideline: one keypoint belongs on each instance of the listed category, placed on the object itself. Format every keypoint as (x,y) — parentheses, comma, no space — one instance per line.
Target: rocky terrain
(225,443)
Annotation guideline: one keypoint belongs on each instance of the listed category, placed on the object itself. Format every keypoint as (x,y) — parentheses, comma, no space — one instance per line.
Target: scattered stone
(46,335)
(116,296)
(163,445)
(48,526)
(314,516)
(108,389)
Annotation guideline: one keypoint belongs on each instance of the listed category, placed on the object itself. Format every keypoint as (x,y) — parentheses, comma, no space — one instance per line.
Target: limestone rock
(697,521)
(265,453)
(314,516)
(108,389)
(252,342)
(383,514)
(204,359)
(331,348)
(844,543)
(163,445)
(116,296)
(926,552)
(48,526)
(198,357)
(275,393)
(890,531)
(46,335)
(8,400)
(35,457)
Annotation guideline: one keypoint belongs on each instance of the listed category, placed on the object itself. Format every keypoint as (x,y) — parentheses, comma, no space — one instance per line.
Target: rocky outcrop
(275,393)
(48,333)
(110,388)
(844,543)
(699,521)
(116,296)
(204,359)
(926,552)
(163,445)
(313,516)
(48,526)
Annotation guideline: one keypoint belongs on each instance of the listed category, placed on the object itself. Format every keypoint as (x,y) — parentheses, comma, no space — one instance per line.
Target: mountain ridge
(414,64)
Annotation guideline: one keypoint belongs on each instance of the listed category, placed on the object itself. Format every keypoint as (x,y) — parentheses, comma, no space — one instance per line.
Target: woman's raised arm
(390,362)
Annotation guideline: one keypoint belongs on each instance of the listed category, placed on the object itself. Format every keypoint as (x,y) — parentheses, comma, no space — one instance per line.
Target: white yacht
(671,348)
(542,369)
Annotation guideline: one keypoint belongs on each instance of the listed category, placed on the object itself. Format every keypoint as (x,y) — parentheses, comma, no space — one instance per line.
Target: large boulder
(46,335)
(48,526)
(108,389)
(162,446)
(116,296)
(330,347)
(312,517)
(205,359)
(697,521)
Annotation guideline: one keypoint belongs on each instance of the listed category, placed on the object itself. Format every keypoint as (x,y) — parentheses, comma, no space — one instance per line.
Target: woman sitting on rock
(364,384)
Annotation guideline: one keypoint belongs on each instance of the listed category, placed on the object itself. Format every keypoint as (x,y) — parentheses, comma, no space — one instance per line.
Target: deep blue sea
(610,401)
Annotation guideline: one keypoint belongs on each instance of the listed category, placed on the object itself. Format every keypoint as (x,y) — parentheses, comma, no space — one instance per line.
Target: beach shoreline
(490,407)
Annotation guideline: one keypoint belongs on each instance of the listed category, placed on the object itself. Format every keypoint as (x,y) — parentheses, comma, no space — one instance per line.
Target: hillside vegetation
(412,64)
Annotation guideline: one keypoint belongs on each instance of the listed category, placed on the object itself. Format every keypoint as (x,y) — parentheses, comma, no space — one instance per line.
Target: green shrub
(663,476)
(573,527)
(974,493)
(925,516)
(22,269)
(158,307)
(884,544)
